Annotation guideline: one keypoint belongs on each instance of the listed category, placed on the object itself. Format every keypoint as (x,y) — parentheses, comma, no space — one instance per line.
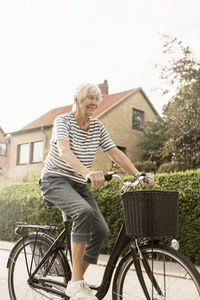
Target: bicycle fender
(20,242)
(17,245)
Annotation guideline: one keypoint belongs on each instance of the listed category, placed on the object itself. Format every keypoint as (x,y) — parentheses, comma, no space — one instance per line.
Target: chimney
(104,87)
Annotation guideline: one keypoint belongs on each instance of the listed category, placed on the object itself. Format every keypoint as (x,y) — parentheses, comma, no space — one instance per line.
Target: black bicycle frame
(120,243)
(57,244)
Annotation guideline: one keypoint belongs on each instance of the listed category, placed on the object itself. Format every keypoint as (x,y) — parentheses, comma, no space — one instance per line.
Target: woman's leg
(99,230)
(78,250)
(60,191)
(85,265)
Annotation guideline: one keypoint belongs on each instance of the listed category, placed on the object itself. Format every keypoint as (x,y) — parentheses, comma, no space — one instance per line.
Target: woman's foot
(79,291)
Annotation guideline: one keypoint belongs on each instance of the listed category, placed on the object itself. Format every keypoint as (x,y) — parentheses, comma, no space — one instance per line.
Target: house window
(137,119)
(3,149)
(37,152)
(23,154)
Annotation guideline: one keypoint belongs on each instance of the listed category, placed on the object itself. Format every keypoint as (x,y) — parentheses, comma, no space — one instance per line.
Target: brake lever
(148,180)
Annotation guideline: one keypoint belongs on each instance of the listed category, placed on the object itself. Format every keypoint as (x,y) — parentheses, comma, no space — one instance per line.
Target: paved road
(93,276)
(3,275)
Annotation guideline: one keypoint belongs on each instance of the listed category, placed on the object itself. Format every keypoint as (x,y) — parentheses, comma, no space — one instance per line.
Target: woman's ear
(74,105)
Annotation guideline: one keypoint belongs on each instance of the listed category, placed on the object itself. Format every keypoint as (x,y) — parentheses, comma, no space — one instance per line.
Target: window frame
(6,149)
(32,152)
(141,112)
(19,152)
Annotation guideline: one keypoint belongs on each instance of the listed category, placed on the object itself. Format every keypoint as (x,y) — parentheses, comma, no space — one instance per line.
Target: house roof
(2,131)
(48,118)
(108,102)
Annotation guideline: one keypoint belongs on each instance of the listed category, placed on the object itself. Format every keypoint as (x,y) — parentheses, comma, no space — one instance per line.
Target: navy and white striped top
(84,145)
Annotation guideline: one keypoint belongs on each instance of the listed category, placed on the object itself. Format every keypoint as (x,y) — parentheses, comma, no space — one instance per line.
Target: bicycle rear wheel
(177,278)
(24,261)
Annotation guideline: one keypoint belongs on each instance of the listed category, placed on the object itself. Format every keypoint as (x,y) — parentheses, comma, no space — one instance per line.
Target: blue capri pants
(77,201)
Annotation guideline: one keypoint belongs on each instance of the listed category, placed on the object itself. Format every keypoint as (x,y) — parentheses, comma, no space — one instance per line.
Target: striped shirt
(84,145)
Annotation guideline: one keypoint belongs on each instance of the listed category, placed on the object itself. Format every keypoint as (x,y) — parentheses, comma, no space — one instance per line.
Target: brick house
(121,113)
(4,152)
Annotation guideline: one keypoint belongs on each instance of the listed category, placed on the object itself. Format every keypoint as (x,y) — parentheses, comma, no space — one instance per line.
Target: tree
(182,69)
(155,136)
(177,137)
(183,117)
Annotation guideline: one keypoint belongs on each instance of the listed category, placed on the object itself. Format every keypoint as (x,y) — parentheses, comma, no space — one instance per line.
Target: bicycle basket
(151,213)
(53,264)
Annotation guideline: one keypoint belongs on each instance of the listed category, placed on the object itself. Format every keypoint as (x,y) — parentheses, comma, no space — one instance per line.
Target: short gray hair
(83,90)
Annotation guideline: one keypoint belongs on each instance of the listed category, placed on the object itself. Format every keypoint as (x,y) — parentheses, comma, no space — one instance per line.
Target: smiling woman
(86,90)
(76,138)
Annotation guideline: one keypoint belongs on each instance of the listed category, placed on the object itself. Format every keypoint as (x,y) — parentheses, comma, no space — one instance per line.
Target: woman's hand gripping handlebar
(97,178)
(142,178)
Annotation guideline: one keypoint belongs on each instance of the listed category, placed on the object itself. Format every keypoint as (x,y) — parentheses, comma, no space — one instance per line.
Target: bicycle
(162,272)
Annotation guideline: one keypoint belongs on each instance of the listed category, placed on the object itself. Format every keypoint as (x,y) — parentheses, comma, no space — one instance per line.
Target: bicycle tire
(176,275)
(18,286)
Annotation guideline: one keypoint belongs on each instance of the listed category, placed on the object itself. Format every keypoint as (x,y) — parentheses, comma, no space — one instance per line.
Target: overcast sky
(48,47)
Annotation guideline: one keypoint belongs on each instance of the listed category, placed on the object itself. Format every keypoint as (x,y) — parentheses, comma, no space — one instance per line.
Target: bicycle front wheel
(174,274)
(25,259)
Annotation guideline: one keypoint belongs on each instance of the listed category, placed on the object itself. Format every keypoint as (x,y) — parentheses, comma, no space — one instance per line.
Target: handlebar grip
(107,176)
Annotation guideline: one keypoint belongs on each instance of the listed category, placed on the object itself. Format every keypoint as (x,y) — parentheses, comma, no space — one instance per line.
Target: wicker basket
(151,213)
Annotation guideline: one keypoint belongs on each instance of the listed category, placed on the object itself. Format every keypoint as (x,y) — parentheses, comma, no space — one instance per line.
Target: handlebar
(128,184)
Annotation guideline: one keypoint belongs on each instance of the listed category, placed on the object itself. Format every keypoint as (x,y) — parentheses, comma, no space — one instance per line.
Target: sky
(49,47)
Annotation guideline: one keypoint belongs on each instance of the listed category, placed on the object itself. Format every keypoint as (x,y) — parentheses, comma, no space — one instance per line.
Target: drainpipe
(8,139)
(45,140)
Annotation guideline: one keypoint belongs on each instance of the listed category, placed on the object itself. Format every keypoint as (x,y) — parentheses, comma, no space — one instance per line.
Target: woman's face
(90,104)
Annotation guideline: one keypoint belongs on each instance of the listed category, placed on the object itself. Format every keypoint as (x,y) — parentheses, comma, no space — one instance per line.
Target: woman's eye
(93,98)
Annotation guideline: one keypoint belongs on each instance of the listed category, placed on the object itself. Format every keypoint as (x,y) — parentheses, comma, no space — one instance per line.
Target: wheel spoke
(27,257)
(175,275)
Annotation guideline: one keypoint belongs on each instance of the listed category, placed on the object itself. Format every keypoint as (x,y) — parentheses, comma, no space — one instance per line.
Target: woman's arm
(122,160)
(66,154)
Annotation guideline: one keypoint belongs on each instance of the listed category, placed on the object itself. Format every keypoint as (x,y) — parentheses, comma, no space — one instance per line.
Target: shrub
(145,166)
(23,202)
(166,168)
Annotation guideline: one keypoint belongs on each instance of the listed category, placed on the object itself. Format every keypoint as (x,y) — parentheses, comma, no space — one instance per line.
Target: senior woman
(75,139)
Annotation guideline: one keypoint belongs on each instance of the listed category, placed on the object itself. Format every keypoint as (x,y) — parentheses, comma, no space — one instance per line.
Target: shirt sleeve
(106,143)
(61,128)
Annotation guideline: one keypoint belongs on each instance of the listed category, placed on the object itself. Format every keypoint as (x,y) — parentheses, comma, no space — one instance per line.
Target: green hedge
(23,202)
